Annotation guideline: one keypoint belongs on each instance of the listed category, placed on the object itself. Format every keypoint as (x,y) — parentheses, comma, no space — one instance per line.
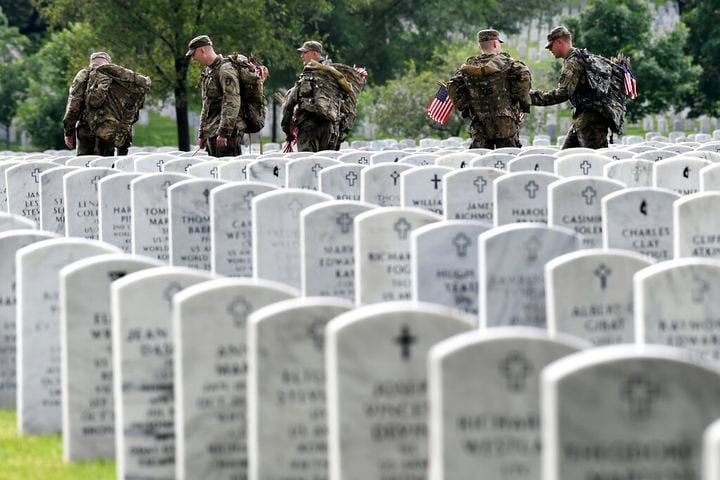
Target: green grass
(40,458)
(159,132)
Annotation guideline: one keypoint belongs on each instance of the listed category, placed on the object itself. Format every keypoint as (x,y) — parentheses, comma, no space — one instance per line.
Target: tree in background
(12,85)
(703,20)
(665,76)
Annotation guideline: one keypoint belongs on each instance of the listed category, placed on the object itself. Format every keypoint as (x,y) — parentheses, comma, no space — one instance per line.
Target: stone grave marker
(444,263)
(305,172)
(342,182)
(234,170)
(679,174)
(696,228)
(484,390)
(287,432)
(209,330)
(82,161)
(626,412)
(456,160)
(419,159)
(150,214)
(231,227)
(381,184)
(511,272)
(268,170)
(364,439)
(631,172)
(4,166)
(152,163)
(539,162)
(639,219)
(143,369)
(189,216)
(654,155)
(127,163)
(581,164)
(422,187)
(23,188)
(38,329)
(88,414)
(383,265)
(207,169)
(181,165)
(104,162)
(711,447)
(115,210)
(575,203)
(9,222)
(52,199)
(493,160)
(276,233)
(388,156)
(11,242)
(589,294)
(676,304)
(80,189)
(468,193)
(521,197)
(327,246)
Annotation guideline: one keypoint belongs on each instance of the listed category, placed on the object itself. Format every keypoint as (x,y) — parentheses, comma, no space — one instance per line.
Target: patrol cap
(311,46)
(197,42)
(555,33)
(104,55)
(488,35)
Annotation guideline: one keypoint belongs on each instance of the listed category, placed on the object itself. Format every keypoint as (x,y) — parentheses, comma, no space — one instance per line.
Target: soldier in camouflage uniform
(315,133)
(492,90)
(221,126)
(75,122)
(589,128)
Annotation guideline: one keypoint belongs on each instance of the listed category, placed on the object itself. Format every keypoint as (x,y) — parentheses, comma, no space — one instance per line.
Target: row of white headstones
(442,355)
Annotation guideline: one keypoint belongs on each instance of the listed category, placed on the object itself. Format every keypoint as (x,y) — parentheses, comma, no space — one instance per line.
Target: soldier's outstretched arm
(521,85)
(569,78)
(288,109)
(230,102)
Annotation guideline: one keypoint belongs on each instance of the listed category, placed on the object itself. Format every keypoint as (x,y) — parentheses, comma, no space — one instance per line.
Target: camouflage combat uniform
(220,114)
(492,90)
(589,128)
(75,122)
(315,133)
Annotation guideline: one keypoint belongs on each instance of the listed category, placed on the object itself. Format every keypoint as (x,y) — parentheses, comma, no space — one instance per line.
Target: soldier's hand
(69,141)
(221,142)
(202,142)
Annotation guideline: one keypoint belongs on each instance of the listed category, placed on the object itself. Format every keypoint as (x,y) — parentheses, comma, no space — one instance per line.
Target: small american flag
(630,83)
(441,106)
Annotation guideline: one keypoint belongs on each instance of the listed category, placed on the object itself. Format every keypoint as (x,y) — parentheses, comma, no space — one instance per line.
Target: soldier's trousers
(493,143)
(315,134)
(233,148)
(589,130)
(89,144)
(502,132)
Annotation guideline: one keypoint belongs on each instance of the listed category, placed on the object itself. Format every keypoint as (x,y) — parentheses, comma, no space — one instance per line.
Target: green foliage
(12,85)
(53,68)
(40,458)
(703,20)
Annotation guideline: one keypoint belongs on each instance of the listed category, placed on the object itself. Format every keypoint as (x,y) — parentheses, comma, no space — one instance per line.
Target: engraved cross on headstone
(214,172)
(639,393)
(700,289)
(480,183)
(516,368)
(316,168)
(395,175)
(206,194)
(406,341)
(36,175)
(585,166)
(295,206)
(238,310)
(461,242)
(165,187)
(94,181)
(248,199)
(500,164)
(159,164)
(532,188)
(345,221)
(351,177)
(435,180)
(402,227)
(602,272)
(589,194)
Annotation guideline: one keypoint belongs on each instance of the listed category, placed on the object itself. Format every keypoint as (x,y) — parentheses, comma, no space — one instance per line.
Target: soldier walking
(590,127)
(221,125)
(103,104)
(492,90)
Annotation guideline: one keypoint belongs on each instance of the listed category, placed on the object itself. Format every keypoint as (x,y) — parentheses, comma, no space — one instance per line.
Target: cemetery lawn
(159,131)
(40,458)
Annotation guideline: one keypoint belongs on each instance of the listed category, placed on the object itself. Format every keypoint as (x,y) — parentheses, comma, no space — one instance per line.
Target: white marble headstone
(115,210)
(381,184)
(52,199)
(80,189)
(468,193)
(521,197)
(23,188)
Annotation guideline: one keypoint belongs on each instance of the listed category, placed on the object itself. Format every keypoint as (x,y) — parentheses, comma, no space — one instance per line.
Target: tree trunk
(274,121)
(7,135)
(181,104)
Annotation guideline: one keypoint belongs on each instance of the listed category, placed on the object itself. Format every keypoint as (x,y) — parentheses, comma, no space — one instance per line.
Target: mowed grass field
(40,458)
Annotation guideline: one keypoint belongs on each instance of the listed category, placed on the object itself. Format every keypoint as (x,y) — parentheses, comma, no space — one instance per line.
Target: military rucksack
(114,96)
(252,105)
(605,89)
(348,106)
(322,90)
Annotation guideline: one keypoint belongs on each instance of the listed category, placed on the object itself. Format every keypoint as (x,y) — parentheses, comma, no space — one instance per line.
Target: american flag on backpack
(630,83)
(441,106)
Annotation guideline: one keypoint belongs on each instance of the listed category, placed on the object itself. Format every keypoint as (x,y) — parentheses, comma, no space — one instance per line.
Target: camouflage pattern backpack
(113,98)
(322,90)
(492,86)
(348,106)
(604,89)
(251,76)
